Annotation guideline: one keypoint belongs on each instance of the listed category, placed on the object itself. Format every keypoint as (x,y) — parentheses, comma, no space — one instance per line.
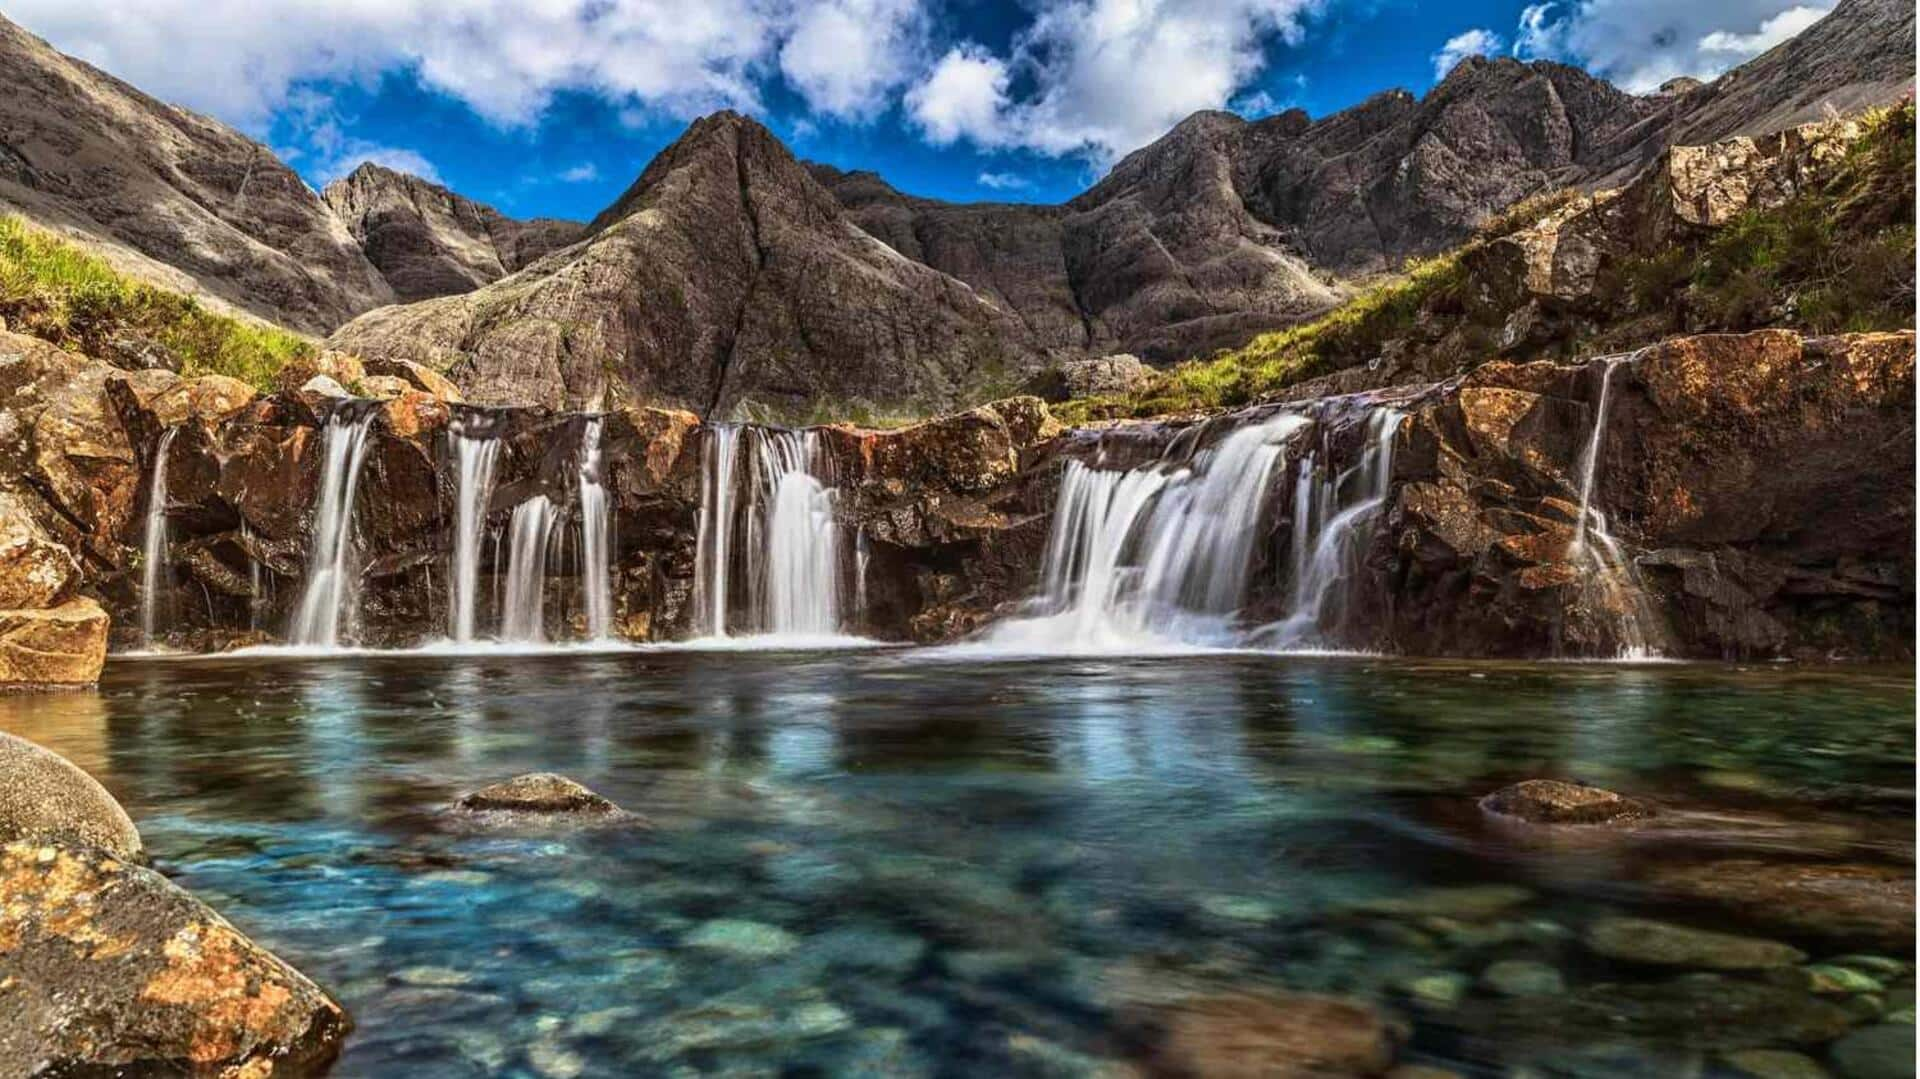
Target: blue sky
(553,106)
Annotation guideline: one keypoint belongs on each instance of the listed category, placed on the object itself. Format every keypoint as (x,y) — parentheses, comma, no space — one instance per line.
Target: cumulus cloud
(1476,42)
(241,59)
(1102,77)
(1004,181)
(1640,44)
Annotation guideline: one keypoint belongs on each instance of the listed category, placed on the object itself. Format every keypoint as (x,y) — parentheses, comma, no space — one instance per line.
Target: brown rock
(64,646)
(1834,901)
(106,967)
(36,571)
(45,798)
(420,377)
(1269,1036)
(1551,801)
(1642,940)
(538,792)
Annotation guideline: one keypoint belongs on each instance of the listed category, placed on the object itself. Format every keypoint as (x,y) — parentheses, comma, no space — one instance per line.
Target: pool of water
(896,863)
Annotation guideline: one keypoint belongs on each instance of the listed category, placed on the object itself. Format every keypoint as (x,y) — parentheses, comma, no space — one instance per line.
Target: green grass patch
(55,290)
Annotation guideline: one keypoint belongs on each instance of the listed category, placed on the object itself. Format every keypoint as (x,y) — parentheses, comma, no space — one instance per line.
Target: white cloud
(1004,181)
(1476,42)
(585,172)
(242,60)
(1103,76)
(963,97)
(847,57)
(1640,44)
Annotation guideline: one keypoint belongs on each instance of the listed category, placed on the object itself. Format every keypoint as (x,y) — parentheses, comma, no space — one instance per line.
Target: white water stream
(333,574)
(153,566)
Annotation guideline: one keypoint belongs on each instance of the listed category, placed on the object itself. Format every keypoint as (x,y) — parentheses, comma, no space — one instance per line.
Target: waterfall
(1611,573)
(523,619)
(475,457)
(595,535)
(1334,521)
(714,544)
(153,564)
(777,527)
(1155,555)
(332,585)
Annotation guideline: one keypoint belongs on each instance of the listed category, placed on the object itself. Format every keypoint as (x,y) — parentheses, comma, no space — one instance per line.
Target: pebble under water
(901,863)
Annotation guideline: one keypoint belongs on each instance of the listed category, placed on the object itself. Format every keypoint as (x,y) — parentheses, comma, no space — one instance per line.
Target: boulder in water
(1552,801)
(1269,1034)
(1851,903)
(111,969)
(1641,940)
(538,793)
(47,799)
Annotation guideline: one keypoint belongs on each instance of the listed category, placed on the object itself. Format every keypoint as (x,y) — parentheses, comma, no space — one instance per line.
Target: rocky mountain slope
(428,241)
(726,275)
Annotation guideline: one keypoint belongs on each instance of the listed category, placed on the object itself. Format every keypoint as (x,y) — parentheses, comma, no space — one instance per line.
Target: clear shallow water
(891,863)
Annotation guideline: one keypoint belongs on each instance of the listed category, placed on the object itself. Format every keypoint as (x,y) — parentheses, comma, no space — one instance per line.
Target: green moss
(52,289)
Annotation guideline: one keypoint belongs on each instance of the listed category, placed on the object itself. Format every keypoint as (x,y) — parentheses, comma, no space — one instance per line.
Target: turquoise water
(890,863)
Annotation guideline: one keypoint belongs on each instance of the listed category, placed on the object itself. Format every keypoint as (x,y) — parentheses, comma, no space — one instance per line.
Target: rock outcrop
(109,968)
(171,196)
(428,241)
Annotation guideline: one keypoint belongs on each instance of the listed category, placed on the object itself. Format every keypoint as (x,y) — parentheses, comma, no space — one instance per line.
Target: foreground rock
(1871,904)
(1551,801)
(45,798)
(1640,940)
(1270,1035)
(539,793)
(107,968)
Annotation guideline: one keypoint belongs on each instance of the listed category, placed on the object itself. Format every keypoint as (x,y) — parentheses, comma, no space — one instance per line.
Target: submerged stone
(1773,1064)
(752,940)
(1706,1012)
(1269,1034)
(1522,978)
(1884,1051)
(1642,940)
(47,798)
(1552,801)
(1837,901)
(538,792)
(1472,902)
(110,968)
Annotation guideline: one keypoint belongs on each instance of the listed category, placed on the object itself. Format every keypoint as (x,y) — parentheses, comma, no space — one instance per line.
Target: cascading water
(780,531)
(154,561)
(1612,575)
(332,586)
(1334,520)
(1158,555)
(475,456)
(714,544)
(523,619)
(595,536)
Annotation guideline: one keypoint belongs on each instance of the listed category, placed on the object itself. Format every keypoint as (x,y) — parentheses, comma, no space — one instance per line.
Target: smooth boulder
(110,969)
(538,793)
(46,798)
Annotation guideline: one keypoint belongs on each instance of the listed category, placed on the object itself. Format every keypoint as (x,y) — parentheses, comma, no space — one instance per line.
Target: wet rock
(1884,1051)
(1773,1064)
(1552,801)
(46,798)
(1641,940)
(1469,903)
(1836,901)
(751,940)
(538,793)
(1833,978)
(64,646)
(1270,1035)
(1522,978)
(108,967)
(1702,1012)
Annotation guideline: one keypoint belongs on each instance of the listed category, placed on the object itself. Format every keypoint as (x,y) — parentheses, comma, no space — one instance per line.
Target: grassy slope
(1837,258)
(52,289)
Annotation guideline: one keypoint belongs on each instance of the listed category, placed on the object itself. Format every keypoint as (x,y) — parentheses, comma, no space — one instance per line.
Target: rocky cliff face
(428,241)
(170,195)
(725,278)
